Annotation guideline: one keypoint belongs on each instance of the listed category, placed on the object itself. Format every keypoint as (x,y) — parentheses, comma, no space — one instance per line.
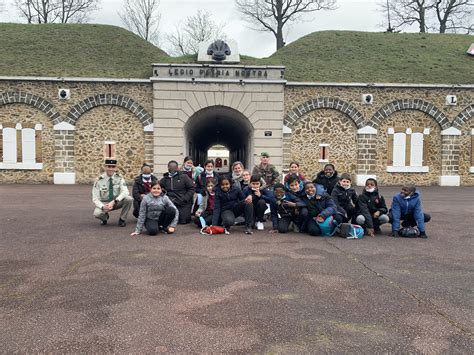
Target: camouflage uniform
(121,195)
(269,174)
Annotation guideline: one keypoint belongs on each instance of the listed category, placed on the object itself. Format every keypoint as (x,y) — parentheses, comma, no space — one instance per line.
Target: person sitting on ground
(229,203)
(285,210)
(295,185)
(294,171)
(141,187)
(327,177)
(406,208)
(371,208)
(180,189)
(157,212)
(207,206)
(259,197)
(345,197)
(320,207)
(266,171)
(110,193)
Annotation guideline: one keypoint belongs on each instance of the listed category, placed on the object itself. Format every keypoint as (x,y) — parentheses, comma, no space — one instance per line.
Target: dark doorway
(219,125)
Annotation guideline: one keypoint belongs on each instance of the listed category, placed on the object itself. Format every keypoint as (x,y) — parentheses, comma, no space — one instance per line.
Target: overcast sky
(357,15)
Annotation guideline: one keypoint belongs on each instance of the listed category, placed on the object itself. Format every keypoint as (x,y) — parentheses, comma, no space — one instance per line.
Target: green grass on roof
(75,50)
(343,56)
(86,50)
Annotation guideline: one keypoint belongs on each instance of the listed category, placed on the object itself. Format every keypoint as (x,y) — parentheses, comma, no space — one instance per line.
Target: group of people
(246,197)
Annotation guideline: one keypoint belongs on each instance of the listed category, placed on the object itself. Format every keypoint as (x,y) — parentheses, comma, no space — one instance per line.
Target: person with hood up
(319,206)
(327,177)
(406,209)
(180,189)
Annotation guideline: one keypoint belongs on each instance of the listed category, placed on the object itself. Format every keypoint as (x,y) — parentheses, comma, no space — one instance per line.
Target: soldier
(266,170)
(110,193)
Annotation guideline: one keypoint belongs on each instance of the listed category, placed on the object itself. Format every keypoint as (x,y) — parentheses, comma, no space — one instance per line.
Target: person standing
(110,193)
(180,189)
(266,171)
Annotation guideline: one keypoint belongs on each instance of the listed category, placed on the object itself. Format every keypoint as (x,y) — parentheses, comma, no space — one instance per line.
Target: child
(259,197)
(406,208)
(229,202)
(320,206)
(327,177)
(156,212)
(142,187)
(207,174)
(345,197)
(294,185)
(207,206)
(285,209)
(371,208)
(189,169)
(294,171)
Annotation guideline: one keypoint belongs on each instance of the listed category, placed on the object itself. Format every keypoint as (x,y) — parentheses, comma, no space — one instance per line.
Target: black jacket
(201,182)
(224,201)
(369,203)
(327,182)
(344,199)
(139,188)
(179,188)
(320,205)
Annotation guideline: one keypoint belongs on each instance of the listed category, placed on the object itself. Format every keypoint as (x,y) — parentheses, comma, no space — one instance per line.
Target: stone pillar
(148,132)
(64,172)
(366,151)
(450,157)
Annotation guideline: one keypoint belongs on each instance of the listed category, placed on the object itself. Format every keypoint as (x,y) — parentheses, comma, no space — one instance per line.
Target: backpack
(328,226)
(409,232)
(350,231)
(210,230)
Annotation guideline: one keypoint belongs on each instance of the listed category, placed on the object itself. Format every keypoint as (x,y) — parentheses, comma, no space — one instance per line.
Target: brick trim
(409,104)
(41,104)
(334,103)
(108,99)
(463,117)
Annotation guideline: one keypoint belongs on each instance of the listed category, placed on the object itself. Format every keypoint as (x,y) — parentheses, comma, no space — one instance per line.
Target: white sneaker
(259,226)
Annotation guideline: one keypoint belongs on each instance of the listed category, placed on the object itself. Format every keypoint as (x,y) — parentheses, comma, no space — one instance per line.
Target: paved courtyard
(71,285)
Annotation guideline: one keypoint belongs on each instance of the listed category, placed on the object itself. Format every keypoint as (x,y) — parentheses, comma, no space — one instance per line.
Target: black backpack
(409,232)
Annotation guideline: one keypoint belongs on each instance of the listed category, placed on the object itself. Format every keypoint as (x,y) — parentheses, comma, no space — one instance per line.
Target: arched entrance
(219,125)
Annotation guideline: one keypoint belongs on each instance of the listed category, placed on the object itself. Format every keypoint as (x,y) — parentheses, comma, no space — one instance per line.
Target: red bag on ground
(212,230)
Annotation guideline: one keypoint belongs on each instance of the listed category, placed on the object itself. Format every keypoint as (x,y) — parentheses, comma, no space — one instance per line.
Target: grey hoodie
(151,208)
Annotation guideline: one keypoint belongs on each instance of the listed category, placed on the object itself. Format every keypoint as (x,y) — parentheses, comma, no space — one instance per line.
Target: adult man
(180,189)
(266,171)
(110,193)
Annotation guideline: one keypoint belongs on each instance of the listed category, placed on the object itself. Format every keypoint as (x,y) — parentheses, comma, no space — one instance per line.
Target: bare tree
(142,17)
(273,15)
(454,15)
(185,39)
(408,12)
(53,11)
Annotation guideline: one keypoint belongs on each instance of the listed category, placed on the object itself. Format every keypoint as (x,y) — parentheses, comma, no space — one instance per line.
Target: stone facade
(320,127)
(150,121)
(120,107)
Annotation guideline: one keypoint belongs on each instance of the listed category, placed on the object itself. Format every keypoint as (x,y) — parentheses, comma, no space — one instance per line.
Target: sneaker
(226,231)
(259,226)
(122,223)
(423,235)
(248,230)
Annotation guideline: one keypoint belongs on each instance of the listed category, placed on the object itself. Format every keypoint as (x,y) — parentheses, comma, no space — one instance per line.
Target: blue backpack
(350,231)
(328,226)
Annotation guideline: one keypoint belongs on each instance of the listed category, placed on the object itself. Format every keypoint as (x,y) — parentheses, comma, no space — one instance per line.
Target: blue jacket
(224,201)
(411,206)
(278,207)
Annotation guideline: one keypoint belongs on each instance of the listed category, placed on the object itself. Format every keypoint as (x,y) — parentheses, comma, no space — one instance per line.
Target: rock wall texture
(466,160)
